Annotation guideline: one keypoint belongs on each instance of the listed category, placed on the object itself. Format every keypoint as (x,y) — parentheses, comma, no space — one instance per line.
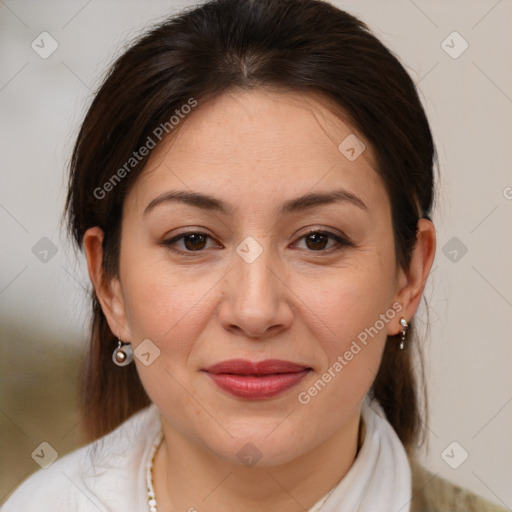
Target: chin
(260,446)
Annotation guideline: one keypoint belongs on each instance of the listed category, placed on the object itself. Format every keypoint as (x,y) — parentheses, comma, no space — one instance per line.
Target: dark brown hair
(295,45)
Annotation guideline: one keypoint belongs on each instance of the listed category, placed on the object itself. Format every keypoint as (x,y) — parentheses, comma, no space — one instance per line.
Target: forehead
(260,144)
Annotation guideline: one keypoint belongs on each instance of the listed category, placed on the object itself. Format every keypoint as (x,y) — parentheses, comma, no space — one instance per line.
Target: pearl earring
(123,354)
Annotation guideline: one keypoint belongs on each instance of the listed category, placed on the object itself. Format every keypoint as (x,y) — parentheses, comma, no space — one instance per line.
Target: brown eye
(318,241)
(315,241)
(192,242)
(195,241)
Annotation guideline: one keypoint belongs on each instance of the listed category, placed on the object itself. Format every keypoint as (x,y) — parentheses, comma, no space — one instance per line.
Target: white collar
(379,480)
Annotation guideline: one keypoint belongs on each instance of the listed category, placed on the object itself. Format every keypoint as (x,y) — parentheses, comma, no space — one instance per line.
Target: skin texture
(299,300)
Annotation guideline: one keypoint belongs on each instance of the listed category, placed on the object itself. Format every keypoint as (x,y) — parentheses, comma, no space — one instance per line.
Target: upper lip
(266,367)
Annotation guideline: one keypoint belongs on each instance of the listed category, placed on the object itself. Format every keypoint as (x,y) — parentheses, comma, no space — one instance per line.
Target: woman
(252,187)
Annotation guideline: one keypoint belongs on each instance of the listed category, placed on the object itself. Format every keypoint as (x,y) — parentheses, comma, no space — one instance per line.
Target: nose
(256,298)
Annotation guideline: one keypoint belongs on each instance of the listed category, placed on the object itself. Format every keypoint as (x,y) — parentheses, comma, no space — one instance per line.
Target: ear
(108,289)
(411,282)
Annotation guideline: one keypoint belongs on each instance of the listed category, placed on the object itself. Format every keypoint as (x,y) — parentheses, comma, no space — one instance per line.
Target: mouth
(256,380)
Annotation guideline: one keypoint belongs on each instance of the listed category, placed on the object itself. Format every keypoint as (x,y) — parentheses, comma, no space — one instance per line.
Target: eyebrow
(210,203)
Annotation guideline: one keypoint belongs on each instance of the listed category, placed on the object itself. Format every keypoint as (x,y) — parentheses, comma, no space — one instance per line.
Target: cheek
(353,299)
(354,320)
(161,302)
(354,312)
(164,308)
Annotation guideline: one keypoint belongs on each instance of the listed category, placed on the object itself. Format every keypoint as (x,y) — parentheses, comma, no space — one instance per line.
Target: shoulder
(57,482)
(432,493)
(98,476)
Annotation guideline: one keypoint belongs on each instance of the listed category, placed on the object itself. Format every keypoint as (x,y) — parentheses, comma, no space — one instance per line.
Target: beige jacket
(432,493)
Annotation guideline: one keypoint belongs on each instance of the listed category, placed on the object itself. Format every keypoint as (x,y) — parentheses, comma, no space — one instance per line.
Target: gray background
(43,308)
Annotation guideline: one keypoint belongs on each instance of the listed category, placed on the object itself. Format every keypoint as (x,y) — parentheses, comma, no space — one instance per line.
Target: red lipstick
(256,380)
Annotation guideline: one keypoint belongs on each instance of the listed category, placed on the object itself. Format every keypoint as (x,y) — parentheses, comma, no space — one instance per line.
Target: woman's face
(247,282)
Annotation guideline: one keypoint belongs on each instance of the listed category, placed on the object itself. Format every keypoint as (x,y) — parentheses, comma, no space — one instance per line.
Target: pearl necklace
(149,473)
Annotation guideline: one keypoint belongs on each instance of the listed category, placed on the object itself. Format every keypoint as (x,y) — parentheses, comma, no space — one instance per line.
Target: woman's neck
(186,477)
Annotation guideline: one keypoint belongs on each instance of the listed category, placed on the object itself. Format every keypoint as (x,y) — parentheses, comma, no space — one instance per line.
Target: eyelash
(342,242)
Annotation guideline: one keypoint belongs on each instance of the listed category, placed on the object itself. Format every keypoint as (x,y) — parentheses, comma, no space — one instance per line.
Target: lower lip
(249,386)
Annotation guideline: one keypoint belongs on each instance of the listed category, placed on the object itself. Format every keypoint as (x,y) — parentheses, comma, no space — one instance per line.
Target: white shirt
(109,475)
